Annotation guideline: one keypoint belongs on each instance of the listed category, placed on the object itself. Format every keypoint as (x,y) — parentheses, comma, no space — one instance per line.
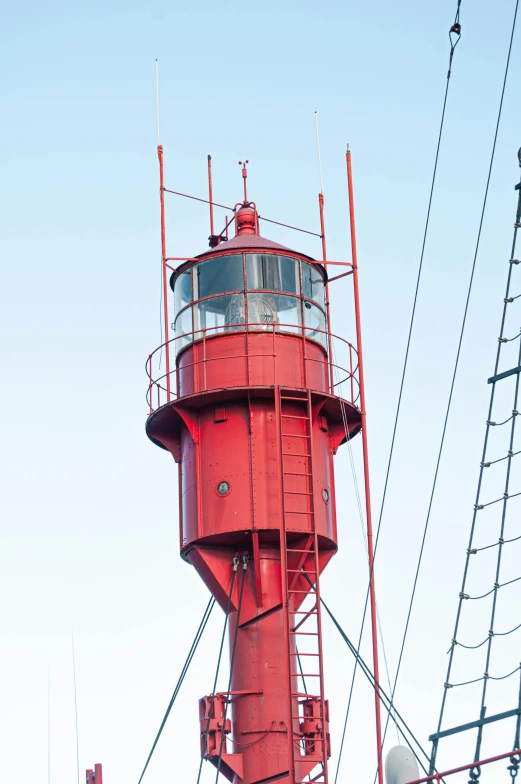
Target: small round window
(223,488)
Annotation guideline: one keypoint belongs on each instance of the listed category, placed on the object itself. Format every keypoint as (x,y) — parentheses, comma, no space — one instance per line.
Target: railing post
(351,373)
(274,355)
(164,268)
(328,311)
(204,360)
(150,383)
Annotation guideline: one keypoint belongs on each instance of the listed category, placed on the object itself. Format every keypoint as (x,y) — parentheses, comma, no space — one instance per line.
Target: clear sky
(89,506)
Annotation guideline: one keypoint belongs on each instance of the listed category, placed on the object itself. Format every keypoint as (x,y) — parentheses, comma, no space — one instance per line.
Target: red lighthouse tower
(255,401)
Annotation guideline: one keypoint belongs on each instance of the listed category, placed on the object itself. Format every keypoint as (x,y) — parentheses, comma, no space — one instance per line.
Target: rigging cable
(372,680)
(361,518)
(193,648)
(232,662)
(477,505)
(458,353)
(75,708)
(455,31)
(364,536)
(204,745)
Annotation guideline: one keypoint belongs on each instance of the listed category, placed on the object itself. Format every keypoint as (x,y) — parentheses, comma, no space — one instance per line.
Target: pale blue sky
(89,506)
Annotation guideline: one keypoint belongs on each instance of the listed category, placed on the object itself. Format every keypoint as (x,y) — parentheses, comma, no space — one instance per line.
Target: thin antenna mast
(75,708)
(210,194)
(365,452)
(164,273)
(48,724)
(318,153)
(157,102)
(324,259)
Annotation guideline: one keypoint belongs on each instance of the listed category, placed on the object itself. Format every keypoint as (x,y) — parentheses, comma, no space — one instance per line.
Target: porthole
(223,488)
(325,495)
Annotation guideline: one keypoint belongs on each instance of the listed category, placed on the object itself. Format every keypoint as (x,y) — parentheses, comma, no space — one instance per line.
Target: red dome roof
(247,242)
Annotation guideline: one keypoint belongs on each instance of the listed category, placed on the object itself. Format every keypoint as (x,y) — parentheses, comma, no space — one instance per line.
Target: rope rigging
(499,460)
(454,38)
(475,550)
(193,648)
(463,595)
(484,677)
(477,506)
(490,634)
(504,497)
(458,354)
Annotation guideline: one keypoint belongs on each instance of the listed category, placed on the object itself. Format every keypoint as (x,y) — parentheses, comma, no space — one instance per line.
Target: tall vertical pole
(48,724)
(328,311)
(164,270)
(369,523)
(75,709)
(210,193)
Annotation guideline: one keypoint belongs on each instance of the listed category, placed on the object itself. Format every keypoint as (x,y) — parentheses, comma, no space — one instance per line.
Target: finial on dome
(244,177)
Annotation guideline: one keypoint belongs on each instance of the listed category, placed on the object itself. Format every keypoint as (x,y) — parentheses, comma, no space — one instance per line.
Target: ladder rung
(307,675)
(303,696)
(299,571)
(311,593)
(293,435)
(304,654)
(304,612)
(291,397)
(307,634)
(290,550)
(319,718)
(292,416)
(295,454)
(289,511)
(296,492)
(294,473)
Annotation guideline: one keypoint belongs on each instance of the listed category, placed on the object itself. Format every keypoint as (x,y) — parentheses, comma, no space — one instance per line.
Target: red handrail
(478,764)
(202,336)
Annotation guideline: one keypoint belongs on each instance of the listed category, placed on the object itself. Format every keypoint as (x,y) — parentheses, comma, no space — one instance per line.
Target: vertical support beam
(370,546)
(328,311)
(164,268)
(210,194)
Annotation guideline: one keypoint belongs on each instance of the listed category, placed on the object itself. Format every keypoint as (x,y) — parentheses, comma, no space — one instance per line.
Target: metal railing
(339,380)
(474,769)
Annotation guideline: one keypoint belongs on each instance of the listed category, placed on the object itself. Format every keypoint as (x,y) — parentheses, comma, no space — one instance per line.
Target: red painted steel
(94,776)
(253,415)
(367,485)
(203,364)
(469,766)
(164,266)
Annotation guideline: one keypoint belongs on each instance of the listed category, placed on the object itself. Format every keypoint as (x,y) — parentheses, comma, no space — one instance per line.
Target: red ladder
(308,736)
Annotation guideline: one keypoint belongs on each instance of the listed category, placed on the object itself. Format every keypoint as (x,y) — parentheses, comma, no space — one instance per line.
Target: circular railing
(342,378)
